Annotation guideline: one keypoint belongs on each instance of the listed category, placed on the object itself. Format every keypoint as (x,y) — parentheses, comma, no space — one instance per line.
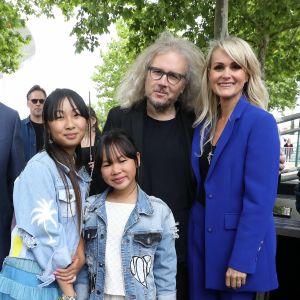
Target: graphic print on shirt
(43,214)
(140,268)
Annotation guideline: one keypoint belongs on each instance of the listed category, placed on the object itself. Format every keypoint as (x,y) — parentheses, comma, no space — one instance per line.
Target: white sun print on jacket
(140,268)
(43,214)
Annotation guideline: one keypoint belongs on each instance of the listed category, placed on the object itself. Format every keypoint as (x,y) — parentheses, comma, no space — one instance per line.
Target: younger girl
(130,236)
(47,251)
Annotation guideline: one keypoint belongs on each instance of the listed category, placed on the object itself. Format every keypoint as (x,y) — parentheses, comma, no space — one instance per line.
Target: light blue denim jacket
(46,221)
(148,240)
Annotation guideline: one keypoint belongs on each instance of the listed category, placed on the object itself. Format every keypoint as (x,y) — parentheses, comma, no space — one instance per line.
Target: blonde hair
(132,87)
(207,109)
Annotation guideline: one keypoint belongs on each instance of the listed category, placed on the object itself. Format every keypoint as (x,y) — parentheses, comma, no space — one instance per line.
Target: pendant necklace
(211,153)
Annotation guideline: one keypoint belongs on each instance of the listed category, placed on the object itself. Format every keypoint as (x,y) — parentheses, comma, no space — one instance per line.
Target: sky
(53,65)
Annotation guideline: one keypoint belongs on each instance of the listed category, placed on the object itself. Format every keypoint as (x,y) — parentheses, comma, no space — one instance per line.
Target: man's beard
(160,106)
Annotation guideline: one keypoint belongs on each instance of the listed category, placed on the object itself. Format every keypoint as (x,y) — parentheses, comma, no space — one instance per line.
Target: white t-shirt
(117,216)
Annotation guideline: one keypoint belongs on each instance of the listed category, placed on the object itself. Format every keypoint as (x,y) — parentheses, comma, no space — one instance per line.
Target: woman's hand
(235,279)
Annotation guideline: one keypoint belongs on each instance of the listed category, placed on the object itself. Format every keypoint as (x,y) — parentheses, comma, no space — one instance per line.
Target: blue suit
(236,228)
(11,163)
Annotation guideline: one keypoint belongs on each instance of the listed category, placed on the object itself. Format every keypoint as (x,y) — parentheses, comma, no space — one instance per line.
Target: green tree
(271,27)
(108,75)
(11,41)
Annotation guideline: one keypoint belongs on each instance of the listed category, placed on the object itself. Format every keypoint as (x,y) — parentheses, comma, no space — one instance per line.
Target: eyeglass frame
(35,101)
(181,76)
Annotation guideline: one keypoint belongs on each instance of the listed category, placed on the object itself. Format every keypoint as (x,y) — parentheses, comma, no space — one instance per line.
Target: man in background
(32,127)
(11,164)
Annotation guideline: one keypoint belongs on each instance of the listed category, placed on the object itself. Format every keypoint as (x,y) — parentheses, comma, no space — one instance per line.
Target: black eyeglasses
(172,77)
(35,101)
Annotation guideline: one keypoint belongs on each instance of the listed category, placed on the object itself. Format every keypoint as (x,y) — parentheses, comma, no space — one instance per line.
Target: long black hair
(55,151)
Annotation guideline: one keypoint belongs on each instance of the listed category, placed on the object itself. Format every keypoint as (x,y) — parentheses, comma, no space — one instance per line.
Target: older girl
(47,250)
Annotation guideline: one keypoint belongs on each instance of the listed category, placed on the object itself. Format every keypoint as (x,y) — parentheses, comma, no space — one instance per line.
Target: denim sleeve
(36,210)
(165,260)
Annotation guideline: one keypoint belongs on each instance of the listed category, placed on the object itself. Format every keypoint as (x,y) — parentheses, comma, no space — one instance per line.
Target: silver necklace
(210,153)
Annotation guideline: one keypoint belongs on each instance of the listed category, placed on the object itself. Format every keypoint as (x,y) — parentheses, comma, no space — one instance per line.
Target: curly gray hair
(132,87)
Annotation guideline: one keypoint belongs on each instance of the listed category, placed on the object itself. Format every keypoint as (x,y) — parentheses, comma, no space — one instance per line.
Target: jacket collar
(27,120)
(227,132)
(143,204)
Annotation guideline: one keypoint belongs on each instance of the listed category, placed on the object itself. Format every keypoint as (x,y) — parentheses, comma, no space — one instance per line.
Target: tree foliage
(109,74)
(11,41)
(271,27)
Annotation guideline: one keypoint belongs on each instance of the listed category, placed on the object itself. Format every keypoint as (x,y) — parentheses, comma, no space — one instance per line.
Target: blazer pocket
(231,220)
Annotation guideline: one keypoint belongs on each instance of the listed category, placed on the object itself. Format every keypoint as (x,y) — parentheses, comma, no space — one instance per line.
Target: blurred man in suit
(11,164)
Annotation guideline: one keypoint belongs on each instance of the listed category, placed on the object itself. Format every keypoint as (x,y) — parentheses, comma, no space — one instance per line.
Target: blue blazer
(11,163)
(241,188)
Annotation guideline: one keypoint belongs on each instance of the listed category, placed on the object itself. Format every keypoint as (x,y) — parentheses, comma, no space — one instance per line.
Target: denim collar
(143,204)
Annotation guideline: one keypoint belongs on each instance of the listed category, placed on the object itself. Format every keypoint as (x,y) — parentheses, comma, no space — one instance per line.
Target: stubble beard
(160,107)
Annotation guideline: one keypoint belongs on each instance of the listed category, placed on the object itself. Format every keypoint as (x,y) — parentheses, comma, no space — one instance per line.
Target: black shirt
(39,135)
(164,162)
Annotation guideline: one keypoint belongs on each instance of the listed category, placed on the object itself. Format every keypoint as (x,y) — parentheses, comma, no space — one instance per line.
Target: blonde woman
(235,158)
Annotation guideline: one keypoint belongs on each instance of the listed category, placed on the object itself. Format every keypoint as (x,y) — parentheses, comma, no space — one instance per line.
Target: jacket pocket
(148,239)
(67,203)
(231,220)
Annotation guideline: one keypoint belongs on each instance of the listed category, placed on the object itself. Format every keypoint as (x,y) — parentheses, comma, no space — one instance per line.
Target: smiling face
(160,93)
(68,127)
(226,77)
(119,171)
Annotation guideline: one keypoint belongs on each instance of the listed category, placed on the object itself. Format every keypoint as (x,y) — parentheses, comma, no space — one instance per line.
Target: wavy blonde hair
(207,108)
(132,88)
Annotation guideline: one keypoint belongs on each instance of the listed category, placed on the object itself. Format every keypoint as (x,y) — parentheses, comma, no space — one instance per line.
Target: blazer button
(209,229)
(98,292)
(100,264)
(210,196)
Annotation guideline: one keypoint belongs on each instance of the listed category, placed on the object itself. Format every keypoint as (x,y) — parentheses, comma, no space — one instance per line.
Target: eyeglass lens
(172,77)
(35,101)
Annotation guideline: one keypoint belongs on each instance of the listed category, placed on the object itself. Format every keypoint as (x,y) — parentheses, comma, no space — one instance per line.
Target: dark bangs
(54,102)
(117,140)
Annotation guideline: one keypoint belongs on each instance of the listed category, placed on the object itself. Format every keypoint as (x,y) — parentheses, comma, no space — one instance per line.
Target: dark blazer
(132,121)
(11,163)
(241,187)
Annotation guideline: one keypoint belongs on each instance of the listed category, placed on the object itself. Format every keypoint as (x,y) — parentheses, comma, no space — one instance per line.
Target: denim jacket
(29,138)
(148,241)
(47,229)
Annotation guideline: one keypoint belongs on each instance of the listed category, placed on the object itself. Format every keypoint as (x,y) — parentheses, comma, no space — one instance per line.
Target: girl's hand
(78,260)
(69,274)
(235,279)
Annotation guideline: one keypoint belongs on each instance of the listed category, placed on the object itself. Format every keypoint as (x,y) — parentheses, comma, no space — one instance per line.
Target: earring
(50,140)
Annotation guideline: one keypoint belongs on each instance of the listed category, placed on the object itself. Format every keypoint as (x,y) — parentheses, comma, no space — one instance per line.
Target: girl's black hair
(56,152)
(117,139)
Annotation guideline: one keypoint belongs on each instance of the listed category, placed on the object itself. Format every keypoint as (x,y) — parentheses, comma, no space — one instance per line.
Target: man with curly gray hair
(157,98)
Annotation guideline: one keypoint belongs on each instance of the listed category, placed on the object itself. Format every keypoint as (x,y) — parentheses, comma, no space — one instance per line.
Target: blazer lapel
(137,125)
(227,132)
